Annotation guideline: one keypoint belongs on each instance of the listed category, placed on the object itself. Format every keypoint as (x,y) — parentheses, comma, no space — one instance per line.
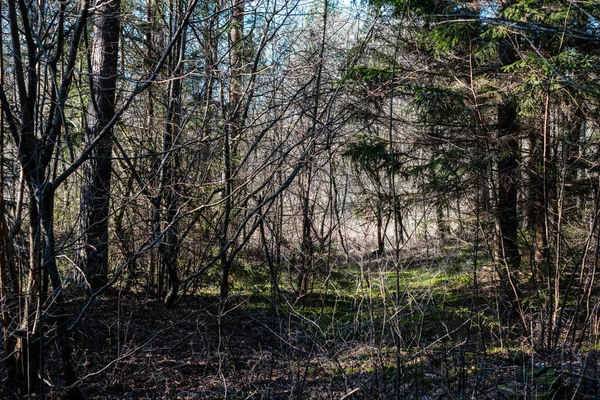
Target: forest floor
(348,339)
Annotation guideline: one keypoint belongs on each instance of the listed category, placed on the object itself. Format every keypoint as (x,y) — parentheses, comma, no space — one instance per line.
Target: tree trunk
(169,246)
(8,272)
(509,257)
(537,199)
(97,170)
(46,209)
(441,220)
(233,127)
(307,247)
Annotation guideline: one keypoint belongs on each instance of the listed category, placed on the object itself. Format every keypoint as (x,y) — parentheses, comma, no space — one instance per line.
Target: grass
(433,337)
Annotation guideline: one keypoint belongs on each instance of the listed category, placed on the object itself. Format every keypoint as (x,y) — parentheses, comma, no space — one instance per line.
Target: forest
(298,199)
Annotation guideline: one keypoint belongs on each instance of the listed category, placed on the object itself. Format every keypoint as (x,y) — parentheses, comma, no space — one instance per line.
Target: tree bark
(169,246)
(508,180)
(8,273)
(233,127)
(97,170)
